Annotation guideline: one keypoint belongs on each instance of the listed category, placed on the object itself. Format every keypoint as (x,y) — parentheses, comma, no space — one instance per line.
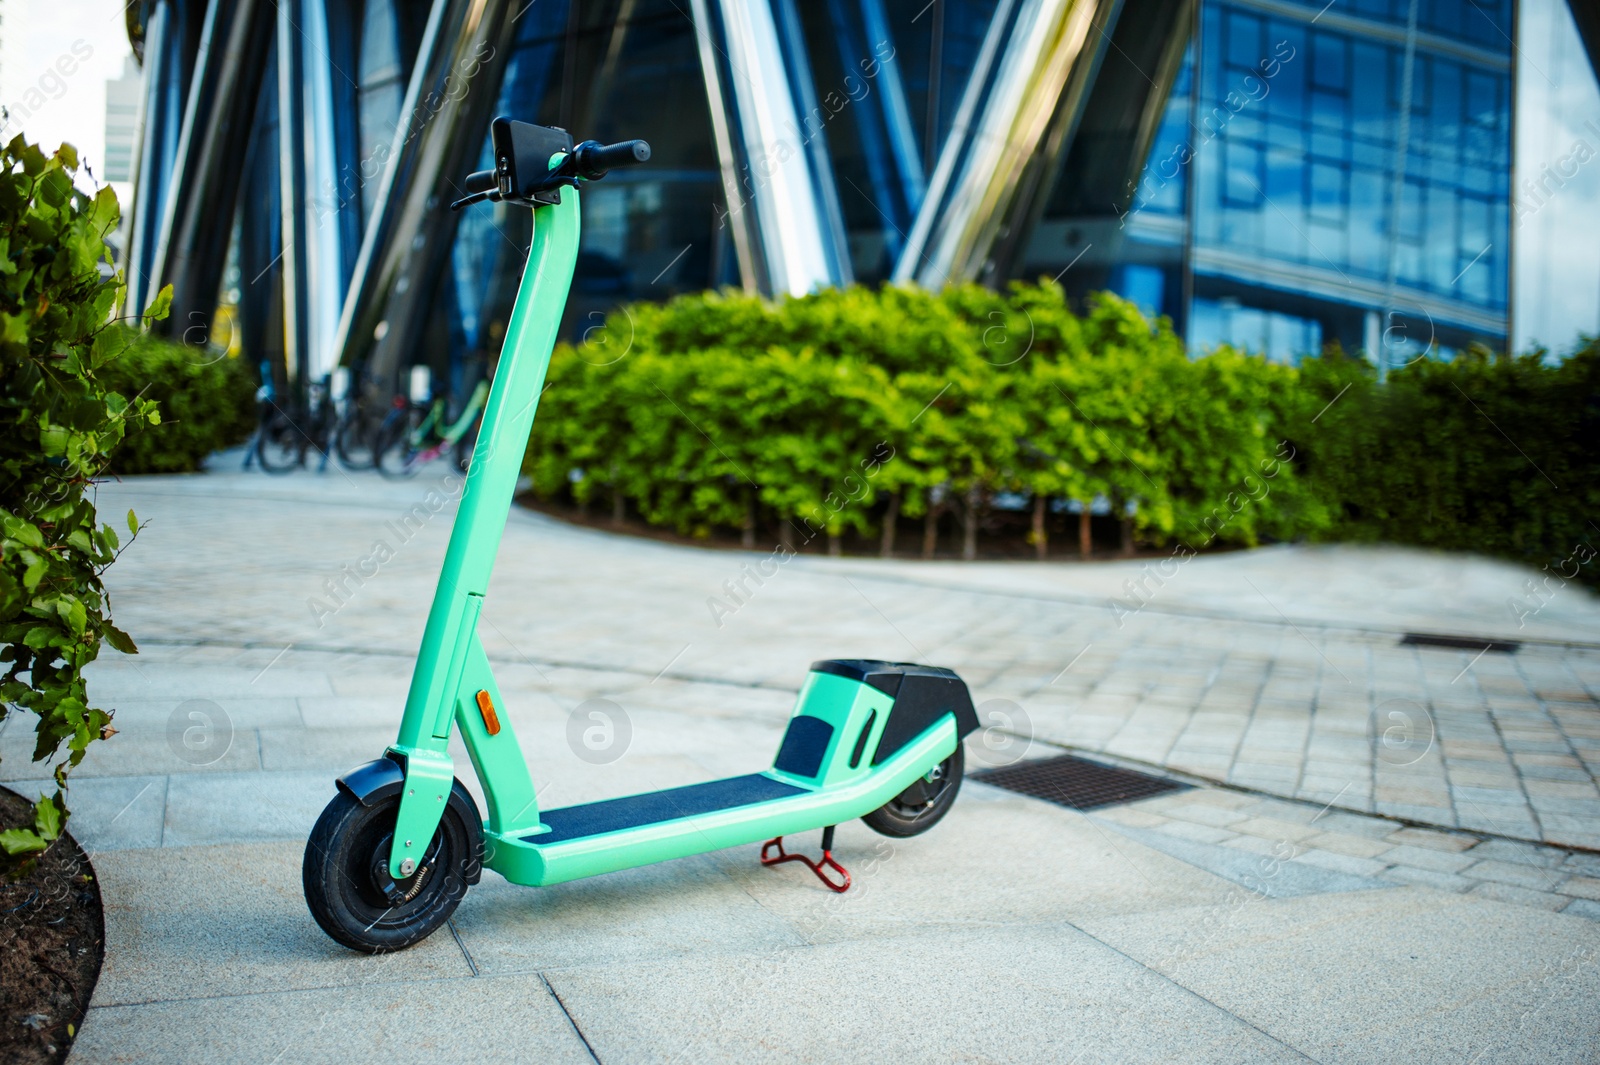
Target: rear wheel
(391,446)
(347,881)
(924,803)
(353,440)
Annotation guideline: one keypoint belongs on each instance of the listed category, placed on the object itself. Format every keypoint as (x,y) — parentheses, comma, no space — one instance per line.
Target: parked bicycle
(285,433)
(414,434)
(332,421)
(357,428)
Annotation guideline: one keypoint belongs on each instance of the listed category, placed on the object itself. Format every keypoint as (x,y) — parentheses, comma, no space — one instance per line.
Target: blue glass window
(1244,177)
(1330,192)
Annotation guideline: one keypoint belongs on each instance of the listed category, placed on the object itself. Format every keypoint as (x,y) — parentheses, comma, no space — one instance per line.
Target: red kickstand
(815,867)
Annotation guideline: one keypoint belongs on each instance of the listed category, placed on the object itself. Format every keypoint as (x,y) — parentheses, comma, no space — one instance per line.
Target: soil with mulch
(52,940)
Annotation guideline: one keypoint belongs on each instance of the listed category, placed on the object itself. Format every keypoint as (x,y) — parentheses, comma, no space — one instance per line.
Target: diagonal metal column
(776,206)
(313,289)
(170,36)
(1025,95)
(234,47)
(462,56)
(897,122)
(1099,170)
(813,141)
(1586,15)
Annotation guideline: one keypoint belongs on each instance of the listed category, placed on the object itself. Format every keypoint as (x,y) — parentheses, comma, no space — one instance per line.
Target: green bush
(1485,453)
(63,422)
(206,398)
(843,410)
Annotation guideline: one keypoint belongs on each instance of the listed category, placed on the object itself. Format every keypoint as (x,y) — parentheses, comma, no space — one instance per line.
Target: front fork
(491,743)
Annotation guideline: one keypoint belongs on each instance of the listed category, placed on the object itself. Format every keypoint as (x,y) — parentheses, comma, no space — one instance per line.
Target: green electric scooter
(394,852)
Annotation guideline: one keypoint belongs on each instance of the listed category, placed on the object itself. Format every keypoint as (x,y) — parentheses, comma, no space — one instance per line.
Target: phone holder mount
(522,153)
(522,173)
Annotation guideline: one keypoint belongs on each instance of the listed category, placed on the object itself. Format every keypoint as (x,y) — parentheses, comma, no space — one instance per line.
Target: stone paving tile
(1374,849)
(1356,825)
(1196,832)
(1342,863)
(1518,875)
(1426,858)
(1135,818)
(1439,841)
(1207,814)
(1586,887)
(1511,850)
(1582,864)
(1583,908)
(1409,874)
(1354,846)
(1521,896)
(1274,828)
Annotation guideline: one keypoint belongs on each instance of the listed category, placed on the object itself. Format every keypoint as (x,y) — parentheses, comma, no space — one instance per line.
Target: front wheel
(924,803)
(353,441)
(347,882)
(280,443)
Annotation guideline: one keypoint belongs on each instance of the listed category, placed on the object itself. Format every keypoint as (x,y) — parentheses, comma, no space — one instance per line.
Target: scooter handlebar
(523,152)
(592,160)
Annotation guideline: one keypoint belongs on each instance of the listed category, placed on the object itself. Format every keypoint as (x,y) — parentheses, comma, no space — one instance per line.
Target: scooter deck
(635,830)
(655,807)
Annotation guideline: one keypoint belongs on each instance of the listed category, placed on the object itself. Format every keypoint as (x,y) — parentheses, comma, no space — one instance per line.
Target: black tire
(347,884)
(923,804)
(391,446)
(280,443)
(353,441)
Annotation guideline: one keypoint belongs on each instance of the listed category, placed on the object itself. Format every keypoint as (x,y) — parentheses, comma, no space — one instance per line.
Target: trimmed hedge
(206,399)
(1489,454)
(842,410)
(823,414)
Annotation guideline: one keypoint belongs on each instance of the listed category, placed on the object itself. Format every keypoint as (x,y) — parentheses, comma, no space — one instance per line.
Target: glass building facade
(1319,176)
(1275,174)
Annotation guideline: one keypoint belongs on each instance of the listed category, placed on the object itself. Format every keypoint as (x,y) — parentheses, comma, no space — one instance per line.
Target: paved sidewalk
(1270,918)
(1280,670)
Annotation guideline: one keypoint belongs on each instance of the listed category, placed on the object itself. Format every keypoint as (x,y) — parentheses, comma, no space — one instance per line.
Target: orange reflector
(491,720)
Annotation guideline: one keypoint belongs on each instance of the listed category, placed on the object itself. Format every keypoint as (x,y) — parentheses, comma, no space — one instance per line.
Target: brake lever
(493,196)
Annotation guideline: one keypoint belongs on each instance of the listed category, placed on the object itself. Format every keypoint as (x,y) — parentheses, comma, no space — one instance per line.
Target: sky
(34,36)
(1556,258)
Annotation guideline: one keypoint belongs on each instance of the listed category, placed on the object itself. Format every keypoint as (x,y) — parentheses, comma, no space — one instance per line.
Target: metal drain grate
(1460,643)
(1076,783)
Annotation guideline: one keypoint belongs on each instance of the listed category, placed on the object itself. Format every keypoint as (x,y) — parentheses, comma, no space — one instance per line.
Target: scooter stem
(492,477)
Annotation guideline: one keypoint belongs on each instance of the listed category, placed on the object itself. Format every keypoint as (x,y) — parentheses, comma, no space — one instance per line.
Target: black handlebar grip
(592,159)
(480,181)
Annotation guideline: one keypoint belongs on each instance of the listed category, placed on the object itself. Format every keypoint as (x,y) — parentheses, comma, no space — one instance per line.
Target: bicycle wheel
(391,447)
(354,438)
(280,443)
(461,452)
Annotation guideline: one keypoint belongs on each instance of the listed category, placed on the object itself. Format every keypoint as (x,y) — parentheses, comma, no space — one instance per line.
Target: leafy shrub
(845,410)
(206,398)
(1485,453)
(63,422)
